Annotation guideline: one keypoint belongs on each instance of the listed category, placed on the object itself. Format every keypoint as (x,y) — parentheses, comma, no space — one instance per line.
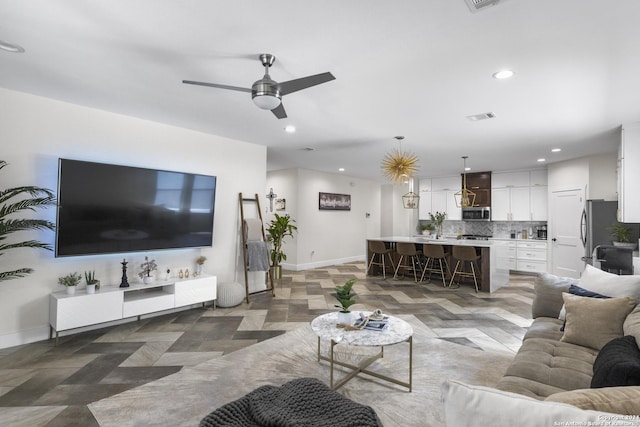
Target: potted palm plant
(344,294)
(279,228)
(70,281)
(15,201)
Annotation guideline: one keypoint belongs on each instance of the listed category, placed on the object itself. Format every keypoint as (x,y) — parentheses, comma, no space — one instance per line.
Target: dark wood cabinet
(480,183)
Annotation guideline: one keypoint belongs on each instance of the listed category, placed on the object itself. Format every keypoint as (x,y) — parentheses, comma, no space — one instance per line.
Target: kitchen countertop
(445,241)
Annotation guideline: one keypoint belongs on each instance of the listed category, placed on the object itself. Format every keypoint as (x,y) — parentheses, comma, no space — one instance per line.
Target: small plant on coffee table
(344,294)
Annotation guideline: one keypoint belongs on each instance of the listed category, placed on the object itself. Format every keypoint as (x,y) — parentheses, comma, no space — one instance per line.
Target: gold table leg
(362,367)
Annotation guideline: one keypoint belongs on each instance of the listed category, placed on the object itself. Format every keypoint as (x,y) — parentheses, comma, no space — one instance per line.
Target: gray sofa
(548,365)
(550,379)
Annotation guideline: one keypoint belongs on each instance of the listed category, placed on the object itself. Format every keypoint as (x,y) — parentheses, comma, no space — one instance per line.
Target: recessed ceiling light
(10,47)
(542,160)
(556,150)
(503,74)
(290,129)
(341,169)
(467,168)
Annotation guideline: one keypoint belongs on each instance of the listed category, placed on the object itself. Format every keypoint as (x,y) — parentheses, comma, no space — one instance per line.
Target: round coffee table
(397,331)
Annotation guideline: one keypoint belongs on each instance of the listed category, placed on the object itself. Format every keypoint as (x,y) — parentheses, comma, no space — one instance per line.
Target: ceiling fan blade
(241,89)
(279,112)
(304,82)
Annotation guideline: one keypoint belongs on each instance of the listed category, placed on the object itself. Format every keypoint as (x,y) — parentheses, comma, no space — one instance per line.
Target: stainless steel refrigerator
(597,217)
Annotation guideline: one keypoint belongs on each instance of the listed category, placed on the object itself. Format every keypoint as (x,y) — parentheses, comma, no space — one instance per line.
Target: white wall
(326,237)
(36,131)
(396,220)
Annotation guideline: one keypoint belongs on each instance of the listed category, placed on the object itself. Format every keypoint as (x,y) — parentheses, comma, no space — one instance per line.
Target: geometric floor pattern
(46,385)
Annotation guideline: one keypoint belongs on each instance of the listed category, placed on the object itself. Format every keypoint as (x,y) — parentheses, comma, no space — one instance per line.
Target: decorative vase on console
(147,267)
(200,265)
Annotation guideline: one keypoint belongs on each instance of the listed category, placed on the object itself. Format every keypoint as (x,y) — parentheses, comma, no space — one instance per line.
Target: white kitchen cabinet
(446,183)
(528,256)
(510,204)
(531,256)
(424,204)
(519,196)
(510,179)
(424,185)
(538,178)
(629,173)
(539,203)
(445,201)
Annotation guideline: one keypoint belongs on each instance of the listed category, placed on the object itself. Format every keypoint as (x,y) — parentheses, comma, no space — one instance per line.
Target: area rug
(184,398)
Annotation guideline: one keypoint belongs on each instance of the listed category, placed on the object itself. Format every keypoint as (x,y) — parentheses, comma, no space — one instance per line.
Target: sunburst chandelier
(399,165)
(464,198)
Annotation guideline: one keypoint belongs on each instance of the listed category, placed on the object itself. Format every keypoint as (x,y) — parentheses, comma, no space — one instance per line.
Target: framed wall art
(281,204)
(334,202)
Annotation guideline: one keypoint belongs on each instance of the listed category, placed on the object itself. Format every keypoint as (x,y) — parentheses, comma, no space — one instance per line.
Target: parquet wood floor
(41,384)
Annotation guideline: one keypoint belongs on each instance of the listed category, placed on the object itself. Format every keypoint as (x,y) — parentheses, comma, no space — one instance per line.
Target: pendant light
(465,198)
(398,165)
(410,199)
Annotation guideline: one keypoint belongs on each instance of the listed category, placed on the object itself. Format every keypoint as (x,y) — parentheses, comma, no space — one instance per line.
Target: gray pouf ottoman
(230,294)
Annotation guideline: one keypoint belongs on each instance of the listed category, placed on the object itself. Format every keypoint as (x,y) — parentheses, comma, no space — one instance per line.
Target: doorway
(566,245)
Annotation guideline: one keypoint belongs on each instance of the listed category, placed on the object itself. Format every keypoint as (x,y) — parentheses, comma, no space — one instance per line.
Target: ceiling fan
(267,93)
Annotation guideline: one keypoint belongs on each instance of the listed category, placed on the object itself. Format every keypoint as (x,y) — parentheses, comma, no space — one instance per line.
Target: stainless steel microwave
(476,214)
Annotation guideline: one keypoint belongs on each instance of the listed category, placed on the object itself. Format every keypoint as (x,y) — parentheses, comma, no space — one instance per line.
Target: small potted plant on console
(147,267)
(70,281)
(344,294)
(93,284)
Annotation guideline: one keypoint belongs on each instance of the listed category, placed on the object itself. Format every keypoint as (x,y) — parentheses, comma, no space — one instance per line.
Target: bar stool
(379,248)
(407,251)
(432,254)
(465,254)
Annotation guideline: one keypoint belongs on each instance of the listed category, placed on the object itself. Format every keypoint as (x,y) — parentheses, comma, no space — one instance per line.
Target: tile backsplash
(488,228)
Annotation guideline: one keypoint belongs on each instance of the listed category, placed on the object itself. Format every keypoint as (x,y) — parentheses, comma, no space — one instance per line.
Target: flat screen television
(105,209)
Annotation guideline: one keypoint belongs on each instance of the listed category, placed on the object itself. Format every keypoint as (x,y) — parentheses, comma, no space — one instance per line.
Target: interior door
(567,248)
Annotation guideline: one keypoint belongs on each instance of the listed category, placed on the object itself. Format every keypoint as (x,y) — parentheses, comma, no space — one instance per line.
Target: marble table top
(397,331)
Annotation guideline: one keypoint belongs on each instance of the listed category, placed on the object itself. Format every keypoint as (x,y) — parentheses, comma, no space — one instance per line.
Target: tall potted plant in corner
(15,201)
(279,228)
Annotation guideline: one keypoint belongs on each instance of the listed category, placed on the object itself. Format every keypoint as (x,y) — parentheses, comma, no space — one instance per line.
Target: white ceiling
(413,67)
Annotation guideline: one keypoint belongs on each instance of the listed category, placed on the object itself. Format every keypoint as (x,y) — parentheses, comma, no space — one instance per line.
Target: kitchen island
(493,262)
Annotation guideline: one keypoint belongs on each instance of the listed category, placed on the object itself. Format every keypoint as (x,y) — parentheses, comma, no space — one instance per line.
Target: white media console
(114,303)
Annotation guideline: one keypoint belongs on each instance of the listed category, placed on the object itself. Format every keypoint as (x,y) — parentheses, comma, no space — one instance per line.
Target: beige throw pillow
(593,322)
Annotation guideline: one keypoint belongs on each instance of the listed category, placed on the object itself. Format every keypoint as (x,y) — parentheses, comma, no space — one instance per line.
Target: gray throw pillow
(548,300)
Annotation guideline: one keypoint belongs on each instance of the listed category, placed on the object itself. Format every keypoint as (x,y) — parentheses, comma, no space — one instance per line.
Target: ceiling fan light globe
(266,102)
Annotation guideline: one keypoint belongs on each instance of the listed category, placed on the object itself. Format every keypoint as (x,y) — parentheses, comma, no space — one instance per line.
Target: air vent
(476,5)
(483,116)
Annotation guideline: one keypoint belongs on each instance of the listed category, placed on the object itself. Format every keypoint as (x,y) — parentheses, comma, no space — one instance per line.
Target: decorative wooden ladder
(269,283)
